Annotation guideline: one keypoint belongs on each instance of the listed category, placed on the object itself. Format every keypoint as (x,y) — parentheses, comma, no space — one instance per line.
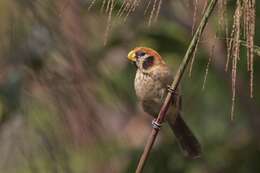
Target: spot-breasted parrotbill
(153,76)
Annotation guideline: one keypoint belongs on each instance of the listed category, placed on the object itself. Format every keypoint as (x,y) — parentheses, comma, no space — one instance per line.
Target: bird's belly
(151,94)
(147,88)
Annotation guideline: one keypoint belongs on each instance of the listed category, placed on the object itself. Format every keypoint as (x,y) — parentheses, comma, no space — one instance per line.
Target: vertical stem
(175,84)
(147,150)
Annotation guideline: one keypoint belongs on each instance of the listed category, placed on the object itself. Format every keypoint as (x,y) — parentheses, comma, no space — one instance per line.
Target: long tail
(188,142)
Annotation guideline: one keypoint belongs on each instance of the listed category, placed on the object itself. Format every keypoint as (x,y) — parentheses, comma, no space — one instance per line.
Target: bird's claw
(156,125)
(175,94)
(172,91)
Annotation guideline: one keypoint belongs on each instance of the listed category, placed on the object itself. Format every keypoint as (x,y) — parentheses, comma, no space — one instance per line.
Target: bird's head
(145,58)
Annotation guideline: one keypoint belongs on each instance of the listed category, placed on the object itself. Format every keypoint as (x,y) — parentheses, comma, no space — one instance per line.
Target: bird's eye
(140,53)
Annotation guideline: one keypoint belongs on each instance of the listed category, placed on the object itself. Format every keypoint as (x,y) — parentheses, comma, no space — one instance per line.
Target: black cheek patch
(148,62)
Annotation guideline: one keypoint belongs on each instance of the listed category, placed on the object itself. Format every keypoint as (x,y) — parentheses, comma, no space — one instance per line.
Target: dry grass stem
(151,17)
(207,68)
(194,16)
(226,21)
(158,10)
(135,4)
(222,15)
(245,17)
(147,7)
(235,53)
(205,6)
(103,6)
(121,8)
(234,73)
(125,6)
(109,4)
(109,20)
(91,4)
(194,56)
(245,11)
(250,33)
(131,8)
(128,11)
(230,46)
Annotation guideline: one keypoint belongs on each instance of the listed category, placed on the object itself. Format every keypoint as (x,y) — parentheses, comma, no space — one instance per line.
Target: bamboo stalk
(175,85)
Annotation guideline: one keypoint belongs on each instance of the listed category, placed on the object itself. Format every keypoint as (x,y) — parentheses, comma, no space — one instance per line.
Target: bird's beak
(131,56)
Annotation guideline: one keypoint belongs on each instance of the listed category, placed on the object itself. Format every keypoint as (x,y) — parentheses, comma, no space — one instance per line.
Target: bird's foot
(175,95)
(156,125)
(172,91)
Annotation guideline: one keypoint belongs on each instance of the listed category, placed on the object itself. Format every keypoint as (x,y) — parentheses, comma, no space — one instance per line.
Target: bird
(152,79)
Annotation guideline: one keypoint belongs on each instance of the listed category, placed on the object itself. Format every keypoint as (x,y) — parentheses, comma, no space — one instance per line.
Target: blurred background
(67,101)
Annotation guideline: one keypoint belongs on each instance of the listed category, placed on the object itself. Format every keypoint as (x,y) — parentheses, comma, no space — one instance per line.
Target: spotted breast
(151,89)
